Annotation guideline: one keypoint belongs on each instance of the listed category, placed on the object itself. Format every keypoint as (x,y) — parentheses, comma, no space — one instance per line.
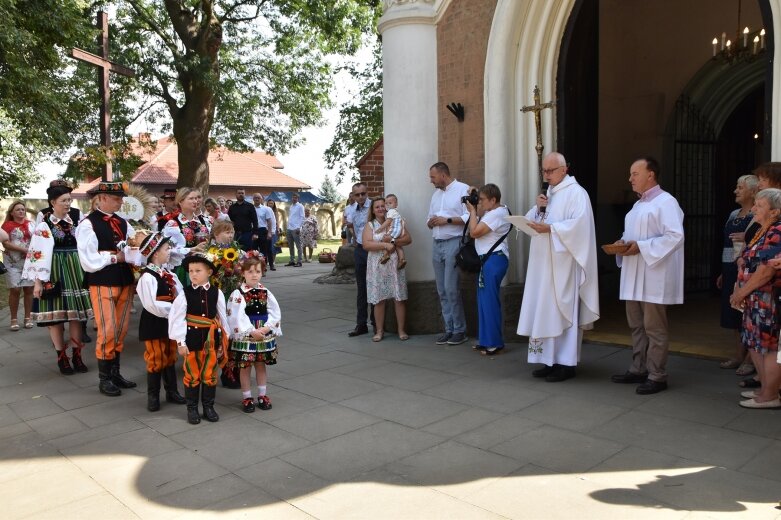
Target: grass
(284,257)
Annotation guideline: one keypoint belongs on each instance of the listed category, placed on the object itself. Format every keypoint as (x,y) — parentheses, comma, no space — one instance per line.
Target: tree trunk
(191,130)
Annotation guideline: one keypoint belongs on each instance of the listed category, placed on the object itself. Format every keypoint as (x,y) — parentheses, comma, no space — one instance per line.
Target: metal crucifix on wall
(104,68)
(538,107)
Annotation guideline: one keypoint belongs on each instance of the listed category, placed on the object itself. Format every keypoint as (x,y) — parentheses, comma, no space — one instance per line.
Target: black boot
(207,399)
(63,363)
(230,376)
(169,381)
(153,391)
(191,396)
(78,363)
(106,385)
(117,378)
(84,336)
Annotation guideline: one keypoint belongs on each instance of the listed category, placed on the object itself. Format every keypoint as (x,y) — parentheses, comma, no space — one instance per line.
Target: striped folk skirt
(73,302)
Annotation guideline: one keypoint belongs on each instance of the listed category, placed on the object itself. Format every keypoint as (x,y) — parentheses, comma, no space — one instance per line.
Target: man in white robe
(651,275)
(561,295)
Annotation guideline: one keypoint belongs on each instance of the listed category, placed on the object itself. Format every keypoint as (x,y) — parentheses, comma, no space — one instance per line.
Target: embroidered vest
(201,303)
(114,275)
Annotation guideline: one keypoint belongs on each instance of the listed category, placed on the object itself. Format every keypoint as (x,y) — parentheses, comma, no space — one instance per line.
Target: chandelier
(746,46)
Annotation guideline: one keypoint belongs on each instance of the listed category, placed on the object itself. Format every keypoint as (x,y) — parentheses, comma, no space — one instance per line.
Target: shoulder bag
(467,258)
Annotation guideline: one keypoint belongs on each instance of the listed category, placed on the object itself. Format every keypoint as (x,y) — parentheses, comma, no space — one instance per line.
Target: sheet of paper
(522,223)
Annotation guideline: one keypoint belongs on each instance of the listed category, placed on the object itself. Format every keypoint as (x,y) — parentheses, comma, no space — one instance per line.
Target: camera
(472,198)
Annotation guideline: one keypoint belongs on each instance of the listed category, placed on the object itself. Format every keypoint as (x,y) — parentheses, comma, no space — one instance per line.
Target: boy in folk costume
(101,240)
(157,288)
(198,324)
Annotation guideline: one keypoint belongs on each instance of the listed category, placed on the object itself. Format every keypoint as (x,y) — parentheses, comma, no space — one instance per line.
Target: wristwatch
(393,241)
(449,220)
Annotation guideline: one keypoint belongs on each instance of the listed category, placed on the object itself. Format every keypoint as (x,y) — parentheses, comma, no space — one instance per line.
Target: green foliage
(17,160)
(360,120)
(328,190)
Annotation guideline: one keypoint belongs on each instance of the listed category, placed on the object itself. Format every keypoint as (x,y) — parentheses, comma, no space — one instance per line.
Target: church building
(691,82)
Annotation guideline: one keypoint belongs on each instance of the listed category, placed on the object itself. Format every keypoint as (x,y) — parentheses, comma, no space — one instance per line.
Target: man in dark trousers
(245,220)
(356,222)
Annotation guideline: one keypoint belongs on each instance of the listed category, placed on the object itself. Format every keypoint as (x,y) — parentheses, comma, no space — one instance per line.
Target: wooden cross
(538,107)
(104,67)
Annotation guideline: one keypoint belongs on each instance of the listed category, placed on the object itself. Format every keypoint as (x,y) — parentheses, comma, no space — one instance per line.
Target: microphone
(544,192)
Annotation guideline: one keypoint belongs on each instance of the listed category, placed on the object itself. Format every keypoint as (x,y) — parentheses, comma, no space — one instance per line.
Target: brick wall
(462,43)
(372,169)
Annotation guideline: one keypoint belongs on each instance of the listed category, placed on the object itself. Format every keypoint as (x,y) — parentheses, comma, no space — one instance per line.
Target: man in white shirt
(263,236)
(651,275)
(446,218)
(357,221)
(272,234)
(295,218)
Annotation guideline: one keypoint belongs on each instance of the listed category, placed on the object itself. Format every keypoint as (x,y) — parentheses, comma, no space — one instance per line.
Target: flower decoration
(229,260)
(230,254)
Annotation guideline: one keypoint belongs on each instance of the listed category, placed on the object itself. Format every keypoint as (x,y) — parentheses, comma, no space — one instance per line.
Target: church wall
(462,42)
(648,52)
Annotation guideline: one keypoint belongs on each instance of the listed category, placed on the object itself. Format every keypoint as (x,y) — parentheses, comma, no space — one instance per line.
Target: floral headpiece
(152,244)
(110,188)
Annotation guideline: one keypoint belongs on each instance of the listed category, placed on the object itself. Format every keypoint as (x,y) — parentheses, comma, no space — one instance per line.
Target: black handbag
(3,268)
(51,290)
(467,258)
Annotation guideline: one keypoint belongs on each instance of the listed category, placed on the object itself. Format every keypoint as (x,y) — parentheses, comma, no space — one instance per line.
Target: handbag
(3,268)
(51,290)
(467,258)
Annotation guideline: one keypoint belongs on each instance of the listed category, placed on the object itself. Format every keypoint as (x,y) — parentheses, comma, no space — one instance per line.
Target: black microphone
(544,192)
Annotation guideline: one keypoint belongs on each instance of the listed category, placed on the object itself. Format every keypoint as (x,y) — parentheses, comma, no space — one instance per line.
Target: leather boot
(153,391)
(191,396)
(106,385)
(84,336)
(116,377)
(169,381)
(63,363)
(78,363)
(207,399)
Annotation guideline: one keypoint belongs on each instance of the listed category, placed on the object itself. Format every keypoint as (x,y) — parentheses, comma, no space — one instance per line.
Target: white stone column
(410,118)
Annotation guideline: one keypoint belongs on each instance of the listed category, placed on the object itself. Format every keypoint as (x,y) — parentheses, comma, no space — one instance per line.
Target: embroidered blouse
(246,301)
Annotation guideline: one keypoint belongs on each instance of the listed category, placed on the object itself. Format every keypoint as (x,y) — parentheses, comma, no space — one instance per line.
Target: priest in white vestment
(651,275)
(561,295)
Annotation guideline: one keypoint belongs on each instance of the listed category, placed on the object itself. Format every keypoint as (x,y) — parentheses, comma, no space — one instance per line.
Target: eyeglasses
(551,170)
(361,194)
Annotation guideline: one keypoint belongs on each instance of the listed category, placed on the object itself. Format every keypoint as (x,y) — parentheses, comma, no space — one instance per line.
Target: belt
(202,322)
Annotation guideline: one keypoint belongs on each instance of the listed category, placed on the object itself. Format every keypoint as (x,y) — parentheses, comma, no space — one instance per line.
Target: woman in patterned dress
(20,231)
(309,235)
(60,297)
(189,232)
(757,295)
(384,281)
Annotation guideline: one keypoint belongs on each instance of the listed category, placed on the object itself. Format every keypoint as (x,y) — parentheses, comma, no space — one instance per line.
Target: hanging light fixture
(748,44)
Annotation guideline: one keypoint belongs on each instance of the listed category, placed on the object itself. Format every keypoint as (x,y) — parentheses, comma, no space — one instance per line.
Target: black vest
(73,213)
(113,275)
(151,326)
(201,303)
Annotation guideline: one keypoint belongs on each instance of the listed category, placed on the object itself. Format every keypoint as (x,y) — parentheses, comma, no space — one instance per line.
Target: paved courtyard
(383,430)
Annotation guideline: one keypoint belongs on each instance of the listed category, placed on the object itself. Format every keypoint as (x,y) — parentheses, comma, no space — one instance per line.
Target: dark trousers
(244,238)
(361,257)
(262,244)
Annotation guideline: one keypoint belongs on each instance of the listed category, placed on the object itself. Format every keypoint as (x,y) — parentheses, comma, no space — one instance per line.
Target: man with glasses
(561,295)
(357,221)
(446,218)
(245,220)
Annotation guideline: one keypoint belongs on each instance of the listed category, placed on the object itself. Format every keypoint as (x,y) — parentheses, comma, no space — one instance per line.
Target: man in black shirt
(245,220)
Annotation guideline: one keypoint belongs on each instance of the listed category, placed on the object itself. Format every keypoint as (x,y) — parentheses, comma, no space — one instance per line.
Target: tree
(360,120)
(328,190)
(17,160)
(239,73)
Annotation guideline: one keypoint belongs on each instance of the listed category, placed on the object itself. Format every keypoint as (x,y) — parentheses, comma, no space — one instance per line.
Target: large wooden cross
(104,68)
(538,107)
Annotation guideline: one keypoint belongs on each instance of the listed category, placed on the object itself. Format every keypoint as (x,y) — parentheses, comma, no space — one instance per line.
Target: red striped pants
(159,354)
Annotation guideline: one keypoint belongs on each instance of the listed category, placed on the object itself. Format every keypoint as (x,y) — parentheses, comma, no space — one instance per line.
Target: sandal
(746,369)
(378,337)
(730,364)
(385,259)
(403,336)
(749,383)
(401,265)
(491,351)
(28,323)
(14,325)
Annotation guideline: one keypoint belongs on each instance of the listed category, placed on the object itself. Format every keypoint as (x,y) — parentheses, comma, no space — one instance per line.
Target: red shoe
(264,403)
(248,405)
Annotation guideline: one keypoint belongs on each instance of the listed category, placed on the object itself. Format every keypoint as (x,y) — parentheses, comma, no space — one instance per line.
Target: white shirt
(238,321)
(91,259)
(177,320)
(147,293)
(273,219)
(263,216)
(348,212)
(494,219)
(358,219)
(447,203)
(295,216)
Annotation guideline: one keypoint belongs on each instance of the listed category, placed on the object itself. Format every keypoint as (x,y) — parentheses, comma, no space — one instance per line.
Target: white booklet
(522,223)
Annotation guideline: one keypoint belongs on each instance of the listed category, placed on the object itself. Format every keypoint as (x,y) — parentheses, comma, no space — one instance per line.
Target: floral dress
(384,281)
(761,327)
(249,309)
(19,235)
(52,257)
(309,232)
(185,234)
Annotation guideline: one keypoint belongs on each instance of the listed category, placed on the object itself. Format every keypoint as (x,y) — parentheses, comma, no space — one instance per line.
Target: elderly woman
(212,208)
(757,296)
(384,281)
(309,234)
(19,231)
(733,243)
(489,231)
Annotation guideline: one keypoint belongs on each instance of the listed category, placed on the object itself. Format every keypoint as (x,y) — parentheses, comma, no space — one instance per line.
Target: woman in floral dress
(384,281)
(189,231)
(53,263)
(309,235)
(20,231)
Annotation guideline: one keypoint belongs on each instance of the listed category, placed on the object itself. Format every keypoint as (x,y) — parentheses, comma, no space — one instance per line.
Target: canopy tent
(304,197)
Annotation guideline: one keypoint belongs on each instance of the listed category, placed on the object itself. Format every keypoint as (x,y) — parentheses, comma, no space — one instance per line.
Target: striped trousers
(112,317)
(200,366)
(159,354)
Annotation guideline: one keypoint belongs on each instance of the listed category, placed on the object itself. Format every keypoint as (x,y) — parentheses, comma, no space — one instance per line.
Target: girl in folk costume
(157,288)
(52,261)
(254,318)
(199,326)
(188,230)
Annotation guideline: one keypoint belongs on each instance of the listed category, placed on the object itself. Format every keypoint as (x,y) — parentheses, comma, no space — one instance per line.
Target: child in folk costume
(394,226)
(254,318)
(157,287)
(199,326)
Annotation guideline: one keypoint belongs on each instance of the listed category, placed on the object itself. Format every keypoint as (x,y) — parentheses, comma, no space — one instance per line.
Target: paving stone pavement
(383,430)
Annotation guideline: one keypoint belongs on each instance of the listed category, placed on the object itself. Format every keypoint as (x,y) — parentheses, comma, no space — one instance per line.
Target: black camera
(473,198)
